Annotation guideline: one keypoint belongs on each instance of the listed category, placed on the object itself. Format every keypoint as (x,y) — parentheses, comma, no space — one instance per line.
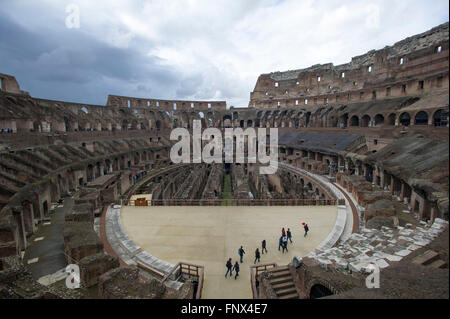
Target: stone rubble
(381,247)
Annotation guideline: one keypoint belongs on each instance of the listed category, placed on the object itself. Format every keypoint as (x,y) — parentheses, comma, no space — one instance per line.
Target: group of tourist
(6,130)
(283,242)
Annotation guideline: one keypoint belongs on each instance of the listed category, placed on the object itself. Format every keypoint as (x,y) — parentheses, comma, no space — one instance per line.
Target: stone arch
(365,121)
(440,118)
(421,118)
(405,119)
(379,119)
(318,291)
(391,119)
(354,121)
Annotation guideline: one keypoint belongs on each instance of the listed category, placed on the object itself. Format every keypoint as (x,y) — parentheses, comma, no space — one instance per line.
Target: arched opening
(421,118)
(405,119)
(319,291)
(379,119)
(391,119)
(343,120)
(354,121)
(440,118)
(227,121)
(158,125)
(365,120)
(249,123)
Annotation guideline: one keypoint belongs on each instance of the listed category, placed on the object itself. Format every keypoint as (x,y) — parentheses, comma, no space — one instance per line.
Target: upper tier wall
(132,102)
(412,66)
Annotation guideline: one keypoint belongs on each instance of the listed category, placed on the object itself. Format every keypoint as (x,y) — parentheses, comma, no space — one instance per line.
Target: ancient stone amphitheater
(365,141)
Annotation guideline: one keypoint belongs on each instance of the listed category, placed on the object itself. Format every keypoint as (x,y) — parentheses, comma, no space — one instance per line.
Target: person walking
(229,266)
(285,244)
(241,253)
(283,232)
(263,246)
(306,229)
(236,269)
(257,256)
(289,235)
(280,243)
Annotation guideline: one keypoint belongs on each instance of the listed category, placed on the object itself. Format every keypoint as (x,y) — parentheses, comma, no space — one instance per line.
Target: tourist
(280,243)
(283,232)
(305,226)
(285,244)
(289,235)
(229,266)
(241,253)
(263,246)
(236,269)
(257,256)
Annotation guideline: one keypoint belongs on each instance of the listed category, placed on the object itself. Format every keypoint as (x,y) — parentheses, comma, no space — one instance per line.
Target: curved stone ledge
(131,253)
(344,223)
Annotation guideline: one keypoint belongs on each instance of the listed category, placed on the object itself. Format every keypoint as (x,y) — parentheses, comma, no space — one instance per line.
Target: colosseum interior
(363,156)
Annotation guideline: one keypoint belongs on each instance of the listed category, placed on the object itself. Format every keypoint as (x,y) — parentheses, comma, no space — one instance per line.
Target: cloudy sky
(201,50)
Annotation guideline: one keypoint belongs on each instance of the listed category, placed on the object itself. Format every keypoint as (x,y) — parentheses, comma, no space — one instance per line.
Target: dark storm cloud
(193,49)
(78,60)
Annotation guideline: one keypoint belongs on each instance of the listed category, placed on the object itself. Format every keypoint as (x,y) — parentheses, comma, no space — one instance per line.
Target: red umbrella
(303,223)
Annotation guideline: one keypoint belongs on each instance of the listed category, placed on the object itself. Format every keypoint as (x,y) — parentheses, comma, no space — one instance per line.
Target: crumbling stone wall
(93,266)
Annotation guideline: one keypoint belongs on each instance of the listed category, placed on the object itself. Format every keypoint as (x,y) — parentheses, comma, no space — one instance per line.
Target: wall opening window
(400,61)
(276,84)
(343,75)
(361,95)
(175,106)
(318,79)
(209,105)
(148,103)
(157,103)
(306,101)
(388,91)
(129,103)
(403,88)
(420,85)
(438,49)
(374,95)
(296,102)
(1,84)
(325,100)
(192,105)
(355,83)
(297,83)
(439,81)
(278,104)
(369,68)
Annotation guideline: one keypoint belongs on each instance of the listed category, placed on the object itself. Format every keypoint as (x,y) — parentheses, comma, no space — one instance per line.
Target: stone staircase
(282,283)
(430,258)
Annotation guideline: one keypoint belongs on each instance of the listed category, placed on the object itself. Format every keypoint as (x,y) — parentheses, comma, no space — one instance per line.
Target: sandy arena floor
(208,236)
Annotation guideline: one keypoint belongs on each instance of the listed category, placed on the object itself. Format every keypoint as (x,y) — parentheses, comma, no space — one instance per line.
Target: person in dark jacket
(236,269)
(283,232)
(285,244)
(263,246)
(241,253)
(289,235)
(306,229)
(229,266)
(257,256)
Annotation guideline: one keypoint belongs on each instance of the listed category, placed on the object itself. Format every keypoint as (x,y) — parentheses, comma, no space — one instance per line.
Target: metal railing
(255,271)
(237,202)
(191,270)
